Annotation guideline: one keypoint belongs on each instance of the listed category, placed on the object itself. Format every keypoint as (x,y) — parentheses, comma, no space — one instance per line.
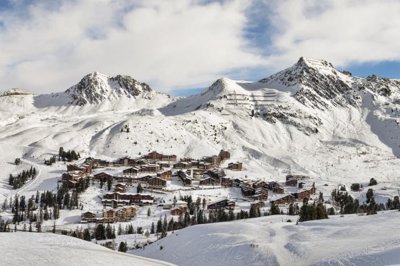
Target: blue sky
(182,46)
(388,69)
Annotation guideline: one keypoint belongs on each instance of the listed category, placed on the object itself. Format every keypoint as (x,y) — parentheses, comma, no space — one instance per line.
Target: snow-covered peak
(95,87)
(313,82)
(221,87)
(318,64)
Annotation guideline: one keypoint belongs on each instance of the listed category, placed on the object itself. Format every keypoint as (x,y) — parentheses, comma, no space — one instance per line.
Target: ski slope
(42,249)
(350,240)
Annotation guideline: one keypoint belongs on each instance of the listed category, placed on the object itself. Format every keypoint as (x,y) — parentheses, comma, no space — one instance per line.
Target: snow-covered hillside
(349,240)
(309,118)
(50,249)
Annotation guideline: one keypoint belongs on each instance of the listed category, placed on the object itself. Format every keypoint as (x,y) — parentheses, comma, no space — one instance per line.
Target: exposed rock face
(95,87)
(316,83)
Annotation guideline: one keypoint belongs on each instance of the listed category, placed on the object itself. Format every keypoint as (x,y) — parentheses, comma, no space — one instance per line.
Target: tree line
(17,181)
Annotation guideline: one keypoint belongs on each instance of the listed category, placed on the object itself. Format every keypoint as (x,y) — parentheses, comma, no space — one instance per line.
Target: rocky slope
(94,88)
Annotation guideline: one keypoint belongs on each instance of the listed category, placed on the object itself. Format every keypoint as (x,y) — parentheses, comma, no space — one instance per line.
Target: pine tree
(159,226)
(100,232)
(86,235)
(274,209)
(110,232)
(122,247)
(370,194)
(372,182)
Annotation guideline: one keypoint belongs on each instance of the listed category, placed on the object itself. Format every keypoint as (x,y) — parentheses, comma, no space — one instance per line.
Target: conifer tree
(122,247)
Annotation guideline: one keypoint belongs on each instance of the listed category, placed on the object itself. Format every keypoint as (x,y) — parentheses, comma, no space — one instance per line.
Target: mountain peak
(314,63)
(95,87)
(313,82)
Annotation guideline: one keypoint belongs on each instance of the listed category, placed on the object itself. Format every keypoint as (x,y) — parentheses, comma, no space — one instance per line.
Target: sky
(181,46)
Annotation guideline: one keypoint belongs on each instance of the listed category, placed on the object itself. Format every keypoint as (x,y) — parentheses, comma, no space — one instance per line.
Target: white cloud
(343,32)
(167,43)
(187,43)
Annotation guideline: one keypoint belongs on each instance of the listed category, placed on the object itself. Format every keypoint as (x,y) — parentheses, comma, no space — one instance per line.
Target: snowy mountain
(310,118)
(51,249)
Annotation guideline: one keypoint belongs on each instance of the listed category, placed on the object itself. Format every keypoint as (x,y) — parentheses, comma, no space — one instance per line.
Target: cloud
(49,45)
(343,32)
(169,44)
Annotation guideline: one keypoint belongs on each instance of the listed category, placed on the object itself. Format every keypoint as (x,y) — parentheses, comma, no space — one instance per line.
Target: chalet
(164,164)
(235,166)
(102,176)
(221,204)
(145,178)
(208,181)
(285,199)
(88,217)
(124,179)
(298,177)
(204,165)
(152,168)
(215,173)
(126,161)
(109,215)
(116,198)
(166,175)
(276,187)
(304,193)
(87,168)
(195,163)
(120,187)
(69,176)
(278,190)
(130,211)
(131,171)
(114,203)
(180,210)
(247,190)
(224,155)
(214,160)
(155,156)
(198,173)
(97,163)
(122,214)
(226,182)
(187,181)
(260,194)
(260,184)
(157,182)
(183,165)
(291,182)
(73,179)
(187,160)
